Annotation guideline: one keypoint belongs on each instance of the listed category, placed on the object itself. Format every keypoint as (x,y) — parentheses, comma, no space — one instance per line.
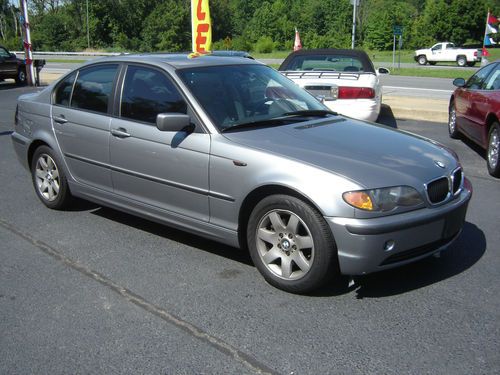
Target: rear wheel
(21,76)
(422,60)
(493,150)
(452,121)
(461,61)
(291,244)
(49,179)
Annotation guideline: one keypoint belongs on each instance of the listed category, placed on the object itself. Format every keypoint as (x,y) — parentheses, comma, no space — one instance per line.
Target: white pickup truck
(447,52)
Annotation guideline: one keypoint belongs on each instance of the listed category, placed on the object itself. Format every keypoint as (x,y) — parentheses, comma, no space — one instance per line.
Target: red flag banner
(492,19)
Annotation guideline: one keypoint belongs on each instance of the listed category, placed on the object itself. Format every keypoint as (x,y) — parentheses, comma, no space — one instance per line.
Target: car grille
(457,180)
(439,190)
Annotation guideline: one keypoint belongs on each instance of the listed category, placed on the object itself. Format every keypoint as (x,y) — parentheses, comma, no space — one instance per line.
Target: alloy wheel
(493,148)
(47,178)
(285,244)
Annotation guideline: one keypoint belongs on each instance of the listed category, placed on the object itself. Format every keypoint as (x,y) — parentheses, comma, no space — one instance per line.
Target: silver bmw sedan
(229,149)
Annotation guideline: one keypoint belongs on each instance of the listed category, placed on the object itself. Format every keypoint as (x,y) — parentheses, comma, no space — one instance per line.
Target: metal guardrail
(71,53)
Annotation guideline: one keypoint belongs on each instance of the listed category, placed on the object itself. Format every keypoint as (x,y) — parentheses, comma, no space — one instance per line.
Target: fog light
(389,245)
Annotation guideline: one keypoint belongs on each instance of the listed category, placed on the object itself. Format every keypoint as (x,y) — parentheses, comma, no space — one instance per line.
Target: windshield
(244,94)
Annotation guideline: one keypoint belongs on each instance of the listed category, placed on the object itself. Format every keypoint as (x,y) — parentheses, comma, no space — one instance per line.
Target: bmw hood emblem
(440,164)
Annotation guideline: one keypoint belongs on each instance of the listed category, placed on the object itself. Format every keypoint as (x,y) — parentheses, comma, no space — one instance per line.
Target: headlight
(384,199)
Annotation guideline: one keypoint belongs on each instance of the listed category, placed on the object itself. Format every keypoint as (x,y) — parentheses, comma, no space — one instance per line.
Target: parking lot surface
(93,290)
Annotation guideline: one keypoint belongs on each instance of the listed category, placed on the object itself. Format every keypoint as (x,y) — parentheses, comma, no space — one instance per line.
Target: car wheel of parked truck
(422,60)
(461,61)
(49,179)
(21,76)
(493,150)
(291,244)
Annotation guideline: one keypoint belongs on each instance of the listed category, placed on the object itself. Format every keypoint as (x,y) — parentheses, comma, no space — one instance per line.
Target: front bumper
(364,244)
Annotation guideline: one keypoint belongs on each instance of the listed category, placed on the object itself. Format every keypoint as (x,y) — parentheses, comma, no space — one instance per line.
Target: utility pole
(355,4)
(88,30)
(28,54)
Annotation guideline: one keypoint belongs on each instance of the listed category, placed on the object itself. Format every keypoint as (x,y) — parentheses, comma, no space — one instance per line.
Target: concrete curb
(423,109)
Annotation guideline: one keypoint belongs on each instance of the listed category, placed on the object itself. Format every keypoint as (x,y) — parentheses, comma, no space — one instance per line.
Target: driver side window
(478,80)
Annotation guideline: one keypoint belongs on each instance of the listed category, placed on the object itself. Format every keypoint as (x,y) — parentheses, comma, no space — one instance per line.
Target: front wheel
(493,151)
(452,121)
(291,244)
(49,179)
(422,60)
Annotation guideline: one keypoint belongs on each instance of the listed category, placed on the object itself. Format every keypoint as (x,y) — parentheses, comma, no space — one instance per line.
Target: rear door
(81,119)
(162,169)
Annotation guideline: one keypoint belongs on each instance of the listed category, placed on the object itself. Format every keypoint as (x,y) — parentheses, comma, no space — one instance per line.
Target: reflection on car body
(230,149)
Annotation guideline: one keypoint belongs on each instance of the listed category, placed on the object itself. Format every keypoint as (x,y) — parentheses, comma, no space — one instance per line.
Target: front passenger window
(148,92)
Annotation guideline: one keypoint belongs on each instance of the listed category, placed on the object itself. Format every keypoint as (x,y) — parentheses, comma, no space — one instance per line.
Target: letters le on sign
(201,26)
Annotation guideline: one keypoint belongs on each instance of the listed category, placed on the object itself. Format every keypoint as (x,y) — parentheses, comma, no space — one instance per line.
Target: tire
(291,244)
(461,61)
(493,150)
(49,179)
(452,121)
(21,76)
(432,63)
(422,60)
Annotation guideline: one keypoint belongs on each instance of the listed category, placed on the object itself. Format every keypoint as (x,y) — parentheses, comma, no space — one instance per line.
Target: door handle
(60,119)
(120,133)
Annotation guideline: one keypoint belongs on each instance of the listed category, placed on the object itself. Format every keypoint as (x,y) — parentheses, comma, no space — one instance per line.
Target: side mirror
(383,71)
(459,82)
(173,122)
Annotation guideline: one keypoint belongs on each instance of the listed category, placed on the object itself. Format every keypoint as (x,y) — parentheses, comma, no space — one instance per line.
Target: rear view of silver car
(231,150)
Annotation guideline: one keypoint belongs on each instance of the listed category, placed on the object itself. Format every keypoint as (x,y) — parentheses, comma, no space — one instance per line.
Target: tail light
(356,93)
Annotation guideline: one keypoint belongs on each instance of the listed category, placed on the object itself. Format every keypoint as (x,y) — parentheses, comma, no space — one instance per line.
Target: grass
(434,73)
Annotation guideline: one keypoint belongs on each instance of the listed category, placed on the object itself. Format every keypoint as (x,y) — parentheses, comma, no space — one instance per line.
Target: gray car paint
(200,181)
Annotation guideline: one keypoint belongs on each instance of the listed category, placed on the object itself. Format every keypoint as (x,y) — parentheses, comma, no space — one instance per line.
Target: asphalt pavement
(93,290)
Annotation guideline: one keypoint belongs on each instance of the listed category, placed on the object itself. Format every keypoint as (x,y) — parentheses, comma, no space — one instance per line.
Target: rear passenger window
(93,88)
(63,90)
(148,92)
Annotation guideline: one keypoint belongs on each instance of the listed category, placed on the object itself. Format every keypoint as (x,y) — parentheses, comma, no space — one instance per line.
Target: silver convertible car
(231,150)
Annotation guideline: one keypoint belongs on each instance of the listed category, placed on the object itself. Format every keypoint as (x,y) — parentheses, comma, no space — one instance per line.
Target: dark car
(11,66)
(474,112)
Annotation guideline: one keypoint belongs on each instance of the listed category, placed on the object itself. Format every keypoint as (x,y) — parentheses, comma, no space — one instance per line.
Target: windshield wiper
(275,121)
(310,112)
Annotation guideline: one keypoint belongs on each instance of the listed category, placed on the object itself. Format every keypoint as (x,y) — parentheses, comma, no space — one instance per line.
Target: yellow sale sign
(201,26)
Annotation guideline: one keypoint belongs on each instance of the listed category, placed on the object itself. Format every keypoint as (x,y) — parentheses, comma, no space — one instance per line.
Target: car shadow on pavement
(386,117)
(460,256)
(176,235)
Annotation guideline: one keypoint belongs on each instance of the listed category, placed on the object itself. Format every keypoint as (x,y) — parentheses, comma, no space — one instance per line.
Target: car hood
(369,154)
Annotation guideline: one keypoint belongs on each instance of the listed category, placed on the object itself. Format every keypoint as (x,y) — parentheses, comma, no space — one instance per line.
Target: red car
(474,112)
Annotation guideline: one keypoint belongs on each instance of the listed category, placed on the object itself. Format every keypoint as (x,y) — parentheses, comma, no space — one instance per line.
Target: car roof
(178,60)
(360,55)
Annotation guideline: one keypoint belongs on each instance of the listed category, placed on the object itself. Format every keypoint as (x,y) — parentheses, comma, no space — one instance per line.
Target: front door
(162,169)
